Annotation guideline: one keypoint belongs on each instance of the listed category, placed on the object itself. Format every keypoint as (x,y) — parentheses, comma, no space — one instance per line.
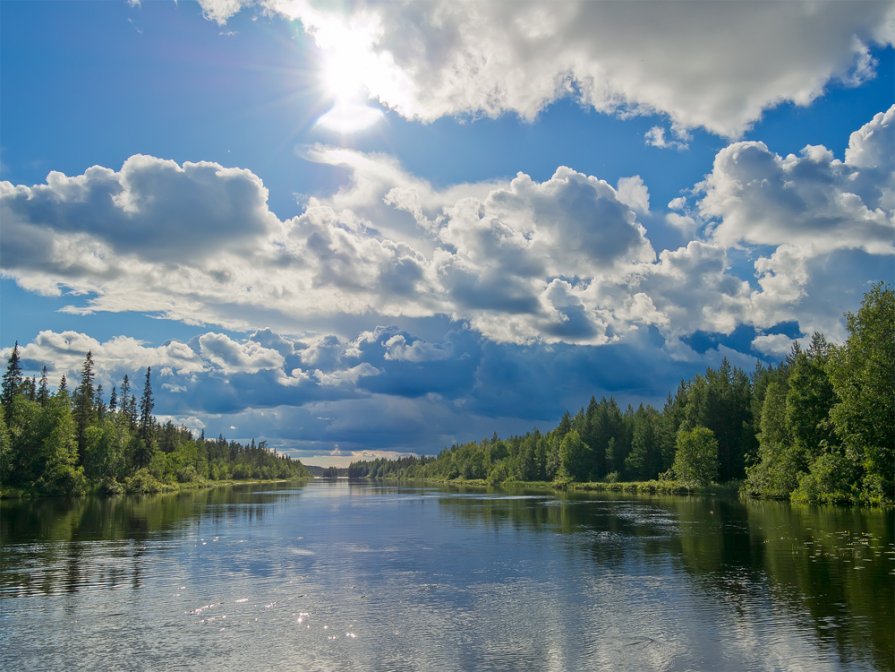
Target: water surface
(339,576)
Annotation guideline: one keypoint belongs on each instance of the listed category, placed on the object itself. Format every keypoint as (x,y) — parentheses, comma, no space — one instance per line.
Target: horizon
(355,234)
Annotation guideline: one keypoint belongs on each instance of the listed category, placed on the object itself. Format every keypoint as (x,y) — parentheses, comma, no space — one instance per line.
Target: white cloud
(775,345)
(347,377)
(633,192)
(563,260)
(399,349)
(655,137)
(685,224)
(66,352)
(716,67)
(153,207)
(809,209)
(233,357)
(811,200)
(221,10)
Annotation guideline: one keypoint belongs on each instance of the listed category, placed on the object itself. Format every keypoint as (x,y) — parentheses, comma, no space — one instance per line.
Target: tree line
(818,427)
(71,442)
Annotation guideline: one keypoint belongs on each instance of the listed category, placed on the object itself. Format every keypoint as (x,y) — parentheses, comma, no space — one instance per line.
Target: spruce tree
(99,405)
(84,404)
(146,406)
(43,389)
(12,379)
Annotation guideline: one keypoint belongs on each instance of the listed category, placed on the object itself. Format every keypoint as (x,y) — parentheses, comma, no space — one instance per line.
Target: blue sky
(370,227)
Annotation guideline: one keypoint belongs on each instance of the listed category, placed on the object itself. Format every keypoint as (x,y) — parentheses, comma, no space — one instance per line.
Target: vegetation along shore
(818,427)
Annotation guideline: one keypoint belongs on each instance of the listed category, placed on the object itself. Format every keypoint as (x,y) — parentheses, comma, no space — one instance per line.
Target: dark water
(332,576)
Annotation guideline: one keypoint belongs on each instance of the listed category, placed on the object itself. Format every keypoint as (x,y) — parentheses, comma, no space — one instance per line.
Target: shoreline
(157,488)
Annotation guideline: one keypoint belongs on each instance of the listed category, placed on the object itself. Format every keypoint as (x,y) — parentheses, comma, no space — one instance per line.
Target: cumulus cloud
(811,200)
(348,376)
(699,63)
(776,345)
(563,260)
(231,356)
(473,252)
(66,351)
(802,212)
(160,209)
(400,349)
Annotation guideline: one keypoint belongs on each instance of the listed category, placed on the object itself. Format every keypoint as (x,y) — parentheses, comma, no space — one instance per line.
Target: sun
(342,75)
(346,66)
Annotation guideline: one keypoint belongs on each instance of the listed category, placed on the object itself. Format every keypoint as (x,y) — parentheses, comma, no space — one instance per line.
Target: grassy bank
(142,485)
(730,489)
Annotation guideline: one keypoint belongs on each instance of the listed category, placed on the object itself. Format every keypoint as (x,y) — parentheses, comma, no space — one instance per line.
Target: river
(339,576)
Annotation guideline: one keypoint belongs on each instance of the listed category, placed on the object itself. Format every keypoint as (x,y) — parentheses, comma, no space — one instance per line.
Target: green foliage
(780,460)
(105,452)
(819,427)
(863,377)
(575,458)
(68,445)
(809,398)
(830,480)
(696,458)
(12,378)
(5,448)
(142,482)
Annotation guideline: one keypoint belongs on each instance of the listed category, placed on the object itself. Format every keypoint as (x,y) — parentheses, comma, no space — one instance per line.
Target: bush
(187,474)
(827,481)
(143,482)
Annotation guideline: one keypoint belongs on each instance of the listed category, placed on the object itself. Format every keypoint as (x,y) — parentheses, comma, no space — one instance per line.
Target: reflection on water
(363,577)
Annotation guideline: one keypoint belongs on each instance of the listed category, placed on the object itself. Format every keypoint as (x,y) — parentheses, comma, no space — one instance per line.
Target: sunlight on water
(335,576)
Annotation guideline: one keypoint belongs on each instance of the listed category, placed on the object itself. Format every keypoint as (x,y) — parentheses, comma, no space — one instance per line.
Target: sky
(360,228)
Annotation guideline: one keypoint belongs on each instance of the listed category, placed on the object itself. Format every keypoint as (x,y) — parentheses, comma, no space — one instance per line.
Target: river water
(339,576)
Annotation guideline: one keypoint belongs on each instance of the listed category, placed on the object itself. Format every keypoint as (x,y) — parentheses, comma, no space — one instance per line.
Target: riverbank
(143,486)
(729,489)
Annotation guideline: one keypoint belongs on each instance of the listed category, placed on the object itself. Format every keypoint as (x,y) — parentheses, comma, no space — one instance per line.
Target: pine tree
(113,400)
(43,388)
(12,379)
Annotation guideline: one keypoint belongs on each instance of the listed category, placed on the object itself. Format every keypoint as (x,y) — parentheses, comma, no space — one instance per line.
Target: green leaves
(696,457)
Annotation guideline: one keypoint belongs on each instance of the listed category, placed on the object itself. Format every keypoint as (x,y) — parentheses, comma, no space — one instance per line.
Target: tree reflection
(835,566)
(54,545)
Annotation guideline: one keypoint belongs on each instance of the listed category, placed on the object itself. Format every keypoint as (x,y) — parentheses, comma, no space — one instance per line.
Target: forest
(818,427)
(65,442)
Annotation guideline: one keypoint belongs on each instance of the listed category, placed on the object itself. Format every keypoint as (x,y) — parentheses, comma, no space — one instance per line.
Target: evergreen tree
(29,388)
(113,400)
(128,402)
(43,389)
(146,406)
(84,410)
(810,398)
(98,403)
(12,379)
